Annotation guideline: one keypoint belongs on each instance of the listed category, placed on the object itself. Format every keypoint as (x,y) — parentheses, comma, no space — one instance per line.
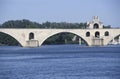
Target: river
(60,62)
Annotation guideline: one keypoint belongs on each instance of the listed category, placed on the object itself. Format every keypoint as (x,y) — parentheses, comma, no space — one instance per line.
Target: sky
(74,11)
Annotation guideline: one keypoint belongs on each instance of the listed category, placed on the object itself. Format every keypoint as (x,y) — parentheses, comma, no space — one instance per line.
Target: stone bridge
(94,35)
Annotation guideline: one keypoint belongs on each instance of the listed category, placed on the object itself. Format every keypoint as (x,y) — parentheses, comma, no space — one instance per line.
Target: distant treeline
(29,24)
(62,38)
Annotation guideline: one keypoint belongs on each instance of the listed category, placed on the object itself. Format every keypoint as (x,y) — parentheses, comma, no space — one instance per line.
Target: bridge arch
(87,34)
(12,37)
(52,34)
(112,38)
(31,35)
(97,34)
(96,26)
(106,33)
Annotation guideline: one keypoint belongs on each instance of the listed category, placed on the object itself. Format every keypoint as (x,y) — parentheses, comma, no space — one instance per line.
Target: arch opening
(106,33)
(64,38)
(97,34)
(8,40)
(115,40)
(87,34)
(31,36)
(96,26)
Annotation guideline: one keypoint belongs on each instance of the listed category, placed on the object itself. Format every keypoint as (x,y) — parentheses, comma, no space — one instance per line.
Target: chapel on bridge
(95,23)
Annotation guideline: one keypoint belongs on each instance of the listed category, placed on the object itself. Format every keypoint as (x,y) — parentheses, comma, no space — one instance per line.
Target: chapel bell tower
(95,23)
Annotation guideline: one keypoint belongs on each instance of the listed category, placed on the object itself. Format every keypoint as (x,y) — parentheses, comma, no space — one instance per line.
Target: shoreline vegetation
(62,38)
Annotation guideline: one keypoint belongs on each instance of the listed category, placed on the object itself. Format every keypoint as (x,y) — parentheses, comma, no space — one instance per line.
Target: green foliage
(48,25)
(62,38)
(20,24)
(28,24)
(7,40)
(109,26)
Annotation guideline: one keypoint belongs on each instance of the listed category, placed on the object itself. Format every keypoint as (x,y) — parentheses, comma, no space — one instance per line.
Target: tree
(108,26)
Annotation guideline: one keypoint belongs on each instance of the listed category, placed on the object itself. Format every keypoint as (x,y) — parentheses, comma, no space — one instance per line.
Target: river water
(60,62)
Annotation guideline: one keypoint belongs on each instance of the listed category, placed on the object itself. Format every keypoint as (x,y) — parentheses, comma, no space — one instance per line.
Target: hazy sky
(61,10)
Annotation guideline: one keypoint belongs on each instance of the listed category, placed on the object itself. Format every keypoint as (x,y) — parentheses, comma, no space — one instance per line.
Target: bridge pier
(80,42)
(32,43)
(119,40)
(96,41)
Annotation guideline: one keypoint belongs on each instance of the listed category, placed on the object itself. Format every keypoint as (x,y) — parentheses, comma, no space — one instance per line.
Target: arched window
(31,36)
(96,26)
(97,34)
(87,34)
(106,33)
